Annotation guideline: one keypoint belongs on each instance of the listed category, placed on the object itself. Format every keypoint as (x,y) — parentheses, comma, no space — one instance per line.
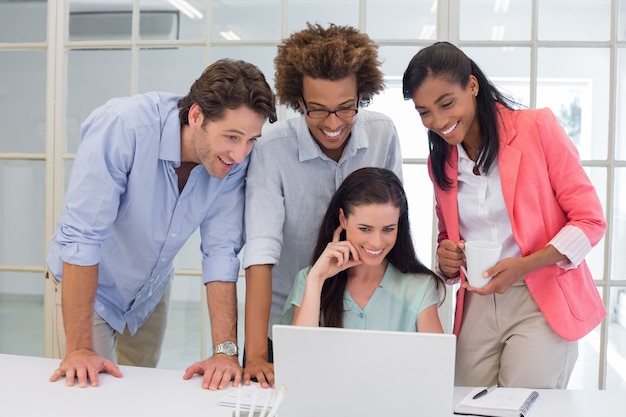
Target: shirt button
(173,235)
(361,315)
(163,259)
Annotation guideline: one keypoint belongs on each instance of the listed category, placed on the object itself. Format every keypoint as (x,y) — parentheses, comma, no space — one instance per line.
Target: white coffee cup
(480,255)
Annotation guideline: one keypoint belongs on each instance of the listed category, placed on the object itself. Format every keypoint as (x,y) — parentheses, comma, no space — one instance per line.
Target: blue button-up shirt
(124,212)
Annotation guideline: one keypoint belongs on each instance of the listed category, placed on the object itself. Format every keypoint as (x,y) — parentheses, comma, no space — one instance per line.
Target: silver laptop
(330,372)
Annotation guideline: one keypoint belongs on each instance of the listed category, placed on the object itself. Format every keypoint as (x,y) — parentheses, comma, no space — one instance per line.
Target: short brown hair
(332,54)
(229,84)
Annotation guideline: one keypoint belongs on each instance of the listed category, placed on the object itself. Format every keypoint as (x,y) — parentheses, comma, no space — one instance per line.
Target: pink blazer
(544,188)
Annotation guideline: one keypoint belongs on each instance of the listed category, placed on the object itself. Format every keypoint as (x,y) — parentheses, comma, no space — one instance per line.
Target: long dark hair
(442,59)
(366,186)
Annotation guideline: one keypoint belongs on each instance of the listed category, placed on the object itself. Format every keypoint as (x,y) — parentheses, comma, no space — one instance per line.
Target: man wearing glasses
(325,74)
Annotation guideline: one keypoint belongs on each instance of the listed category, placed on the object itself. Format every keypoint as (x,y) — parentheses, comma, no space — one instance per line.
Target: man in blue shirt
(325,74)
(150,170)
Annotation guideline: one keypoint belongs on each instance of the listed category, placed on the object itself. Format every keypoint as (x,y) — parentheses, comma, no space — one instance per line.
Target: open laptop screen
(346,372)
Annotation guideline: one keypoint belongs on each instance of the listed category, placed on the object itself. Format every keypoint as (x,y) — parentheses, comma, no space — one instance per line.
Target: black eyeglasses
(322,114)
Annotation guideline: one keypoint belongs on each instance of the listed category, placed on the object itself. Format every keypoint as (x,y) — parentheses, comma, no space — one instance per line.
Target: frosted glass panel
(621,20)
(419,192)
(595,258)
(507,67)
(411,131)
(618,260)
(90,20)
(93,77)
(190,256)
(181,345)
(22,101)
(395,59)
(399,19)
(620,98)
(161,19)
(495,20)
(234,20)
(391,102)
(21,313)
(19,286)
(585,374)
(68,170)
(14,15)
(616,349)
(22,213)
(158,19)
(157,66)
(341,13)
(574,83)
(585,20)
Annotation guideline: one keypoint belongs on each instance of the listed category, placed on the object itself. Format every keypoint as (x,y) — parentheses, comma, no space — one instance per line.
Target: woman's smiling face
(448,109)
(372,229)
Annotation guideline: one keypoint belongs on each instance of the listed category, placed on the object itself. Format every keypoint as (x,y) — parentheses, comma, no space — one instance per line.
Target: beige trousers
(141,349)
(505,340)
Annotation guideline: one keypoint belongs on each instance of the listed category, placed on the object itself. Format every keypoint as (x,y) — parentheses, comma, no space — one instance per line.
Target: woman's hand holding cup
(480,255)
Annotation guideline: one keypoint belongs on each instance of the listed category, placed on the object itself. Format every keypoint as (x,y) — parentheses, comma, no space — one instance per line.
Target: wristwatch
(227,348)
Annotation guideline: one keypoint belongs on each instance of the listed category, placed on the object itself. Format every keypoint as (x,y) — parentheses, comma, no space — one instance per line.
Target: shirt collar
(464,164)
(388,271)
(309,149)
(462,154)
(169,149)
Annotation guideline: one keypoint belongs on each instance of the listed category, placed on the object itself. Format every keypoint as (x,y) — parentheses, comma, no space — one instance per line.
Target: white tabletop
(25,391)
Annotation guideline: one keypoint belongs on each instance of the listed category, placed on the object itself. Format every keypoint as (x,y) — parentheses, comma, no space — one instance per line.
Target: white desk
(25,391)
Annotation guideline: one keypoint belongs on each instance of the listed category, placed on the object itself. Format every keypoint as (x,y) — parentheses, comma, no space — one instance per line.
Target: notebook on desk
(333,372)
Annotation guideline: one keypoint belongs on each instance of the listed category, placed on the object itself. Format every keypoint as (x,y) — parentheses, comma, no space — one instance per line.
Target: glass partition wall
(61,59)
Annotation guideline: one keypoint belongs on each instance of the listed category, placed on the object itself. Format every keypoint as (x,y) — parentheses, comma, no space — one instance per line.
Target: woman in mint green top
(366,274)
(395,304)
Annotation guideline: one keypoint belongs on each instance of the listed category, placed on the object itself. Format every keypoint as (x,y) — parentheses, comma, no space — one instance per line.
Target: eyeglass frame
(329,112)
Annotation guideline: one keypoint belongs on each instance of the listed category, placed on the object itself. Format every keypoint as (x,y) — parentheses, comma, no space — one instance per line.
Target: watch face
(228,348)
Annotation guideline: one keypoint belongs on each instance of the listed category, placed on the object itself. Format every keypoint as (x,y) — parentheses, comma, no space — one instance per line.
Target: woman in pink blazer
(513,177)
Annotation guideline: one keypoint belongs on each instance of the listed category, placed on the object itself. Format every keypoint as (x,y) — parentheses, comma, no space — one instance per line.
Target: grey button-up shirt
(290,183)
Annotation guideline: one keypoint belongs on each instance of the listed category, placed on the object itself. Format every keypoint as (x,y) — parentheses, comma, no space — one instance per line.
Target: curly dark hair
(229,84)
(332,54)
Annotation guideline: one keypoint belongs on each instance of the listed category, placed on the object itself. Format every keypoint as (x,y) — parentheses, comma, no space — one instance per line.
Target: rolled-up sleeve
(574,192)
(99,176)
(265,212)
(573,243)
(221,231)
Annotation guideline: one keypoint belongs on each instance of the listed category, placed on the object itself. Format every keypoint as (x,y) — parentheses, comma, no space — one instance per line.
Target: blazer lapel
(448,200)
(508,160)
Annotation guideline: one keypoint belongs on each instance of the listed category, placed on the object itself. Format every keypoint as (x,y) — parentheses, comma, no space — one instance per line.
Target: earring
(476,94)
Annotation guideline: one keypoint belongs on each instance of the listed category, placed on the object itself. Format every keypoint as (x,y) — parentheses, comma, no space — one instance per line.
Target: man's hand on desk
(217,371)
(84,365)
(260,369)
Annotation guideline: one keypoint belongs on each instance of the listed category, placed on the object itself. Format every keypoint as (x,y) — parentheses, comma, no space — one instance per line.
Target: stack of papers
(245,398)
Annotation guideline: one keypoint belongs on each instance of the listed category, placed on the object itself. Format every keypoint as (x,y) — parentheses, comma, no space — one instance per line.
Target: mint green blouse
(394,306)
